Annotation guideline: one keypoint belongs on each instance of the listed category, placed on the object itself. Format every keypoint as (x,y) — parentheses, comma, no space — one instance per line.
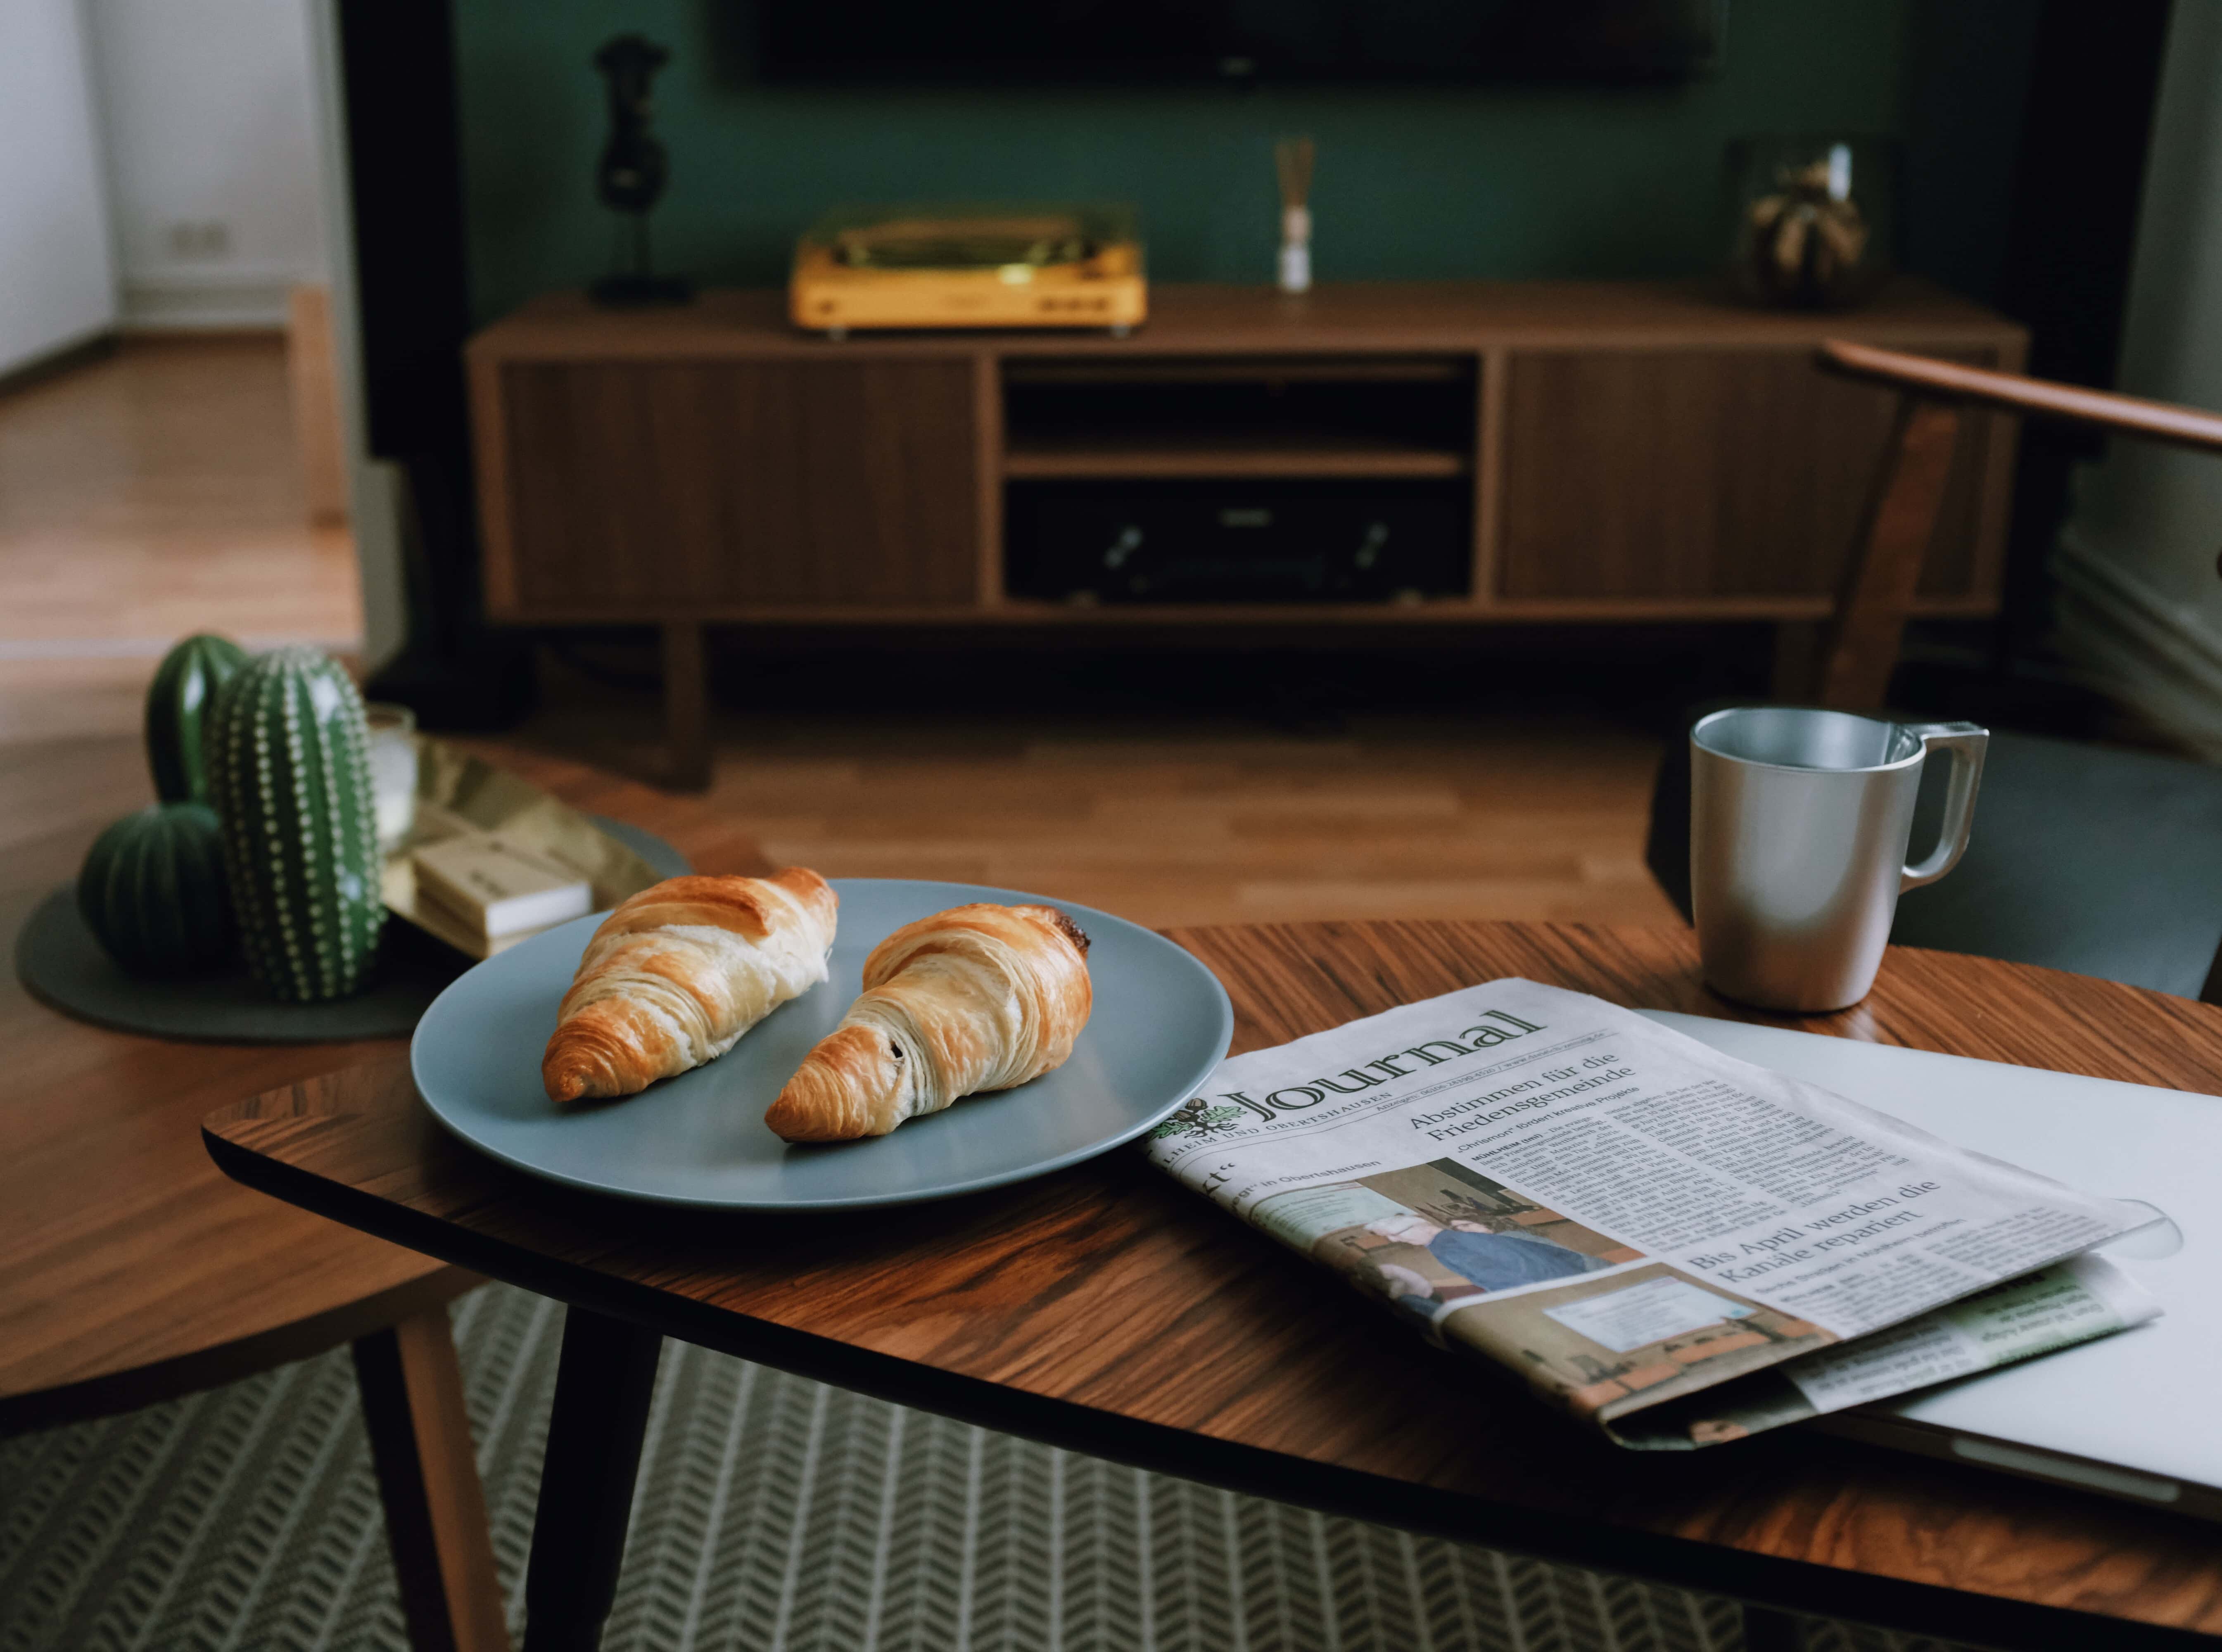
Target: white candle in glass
(393,771)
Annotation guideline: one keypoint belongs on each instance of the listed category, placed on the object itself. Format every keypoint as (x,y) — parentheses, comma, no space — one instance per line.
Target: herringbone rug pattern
(774,1513)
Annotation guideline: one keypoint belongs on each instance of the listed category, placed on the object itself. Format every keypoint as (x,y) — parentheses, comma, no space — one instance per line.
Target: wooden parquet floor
(1178,817)
(156,494)
(1395,819)
(140,494)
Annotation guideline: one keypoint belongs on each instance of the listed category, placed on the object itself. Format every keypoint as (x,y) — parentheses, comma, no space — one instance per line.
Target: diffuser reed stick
(1292,163)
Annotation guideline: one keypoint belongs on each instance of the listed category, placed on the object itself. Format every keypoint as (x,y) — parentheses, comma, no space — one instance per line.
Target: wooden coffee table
(131,1270)
(1107,1309)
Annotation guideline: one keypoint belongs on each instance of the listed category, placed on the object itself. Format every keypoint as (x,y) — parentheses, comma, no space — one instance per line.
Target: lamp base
(641,292)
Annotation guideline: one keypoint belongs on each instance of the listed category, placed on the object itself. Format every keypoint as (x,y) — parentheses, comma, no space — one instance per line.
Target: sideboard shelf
(1267,456)
(1626,451)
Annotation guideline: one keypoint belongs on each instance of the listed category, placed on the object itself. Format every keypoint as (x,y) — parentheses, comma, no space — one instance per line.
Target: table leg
(428,1479)
(1767,1630)
(686,705)
(603,1382)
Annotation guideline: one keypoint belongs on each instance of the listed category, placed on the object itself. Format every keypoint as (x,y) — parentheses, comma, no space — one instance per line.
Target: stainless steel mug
(1799,822)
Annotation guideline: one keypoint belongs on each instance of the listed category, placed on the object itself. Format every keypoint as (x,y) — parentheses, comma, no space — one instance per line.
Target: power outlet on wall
(202,240)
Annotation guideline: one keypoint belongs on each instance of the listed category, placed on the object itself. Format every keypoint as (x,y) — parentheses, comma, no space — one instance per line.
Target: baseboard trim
(257,302)
(2131,642)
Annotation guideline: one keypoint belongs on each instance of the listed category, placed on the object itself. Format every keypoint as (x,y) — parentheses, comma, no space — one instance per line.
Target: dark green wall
(1510,182)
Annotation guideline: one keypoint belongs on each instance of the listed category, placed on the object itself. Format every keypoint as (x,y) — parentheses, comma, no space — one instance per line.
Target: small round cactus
(152,891)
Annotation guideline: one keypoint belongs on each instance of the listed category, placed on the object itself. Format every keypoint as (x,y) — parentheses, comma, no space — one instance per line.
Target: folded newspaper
(1678,1246)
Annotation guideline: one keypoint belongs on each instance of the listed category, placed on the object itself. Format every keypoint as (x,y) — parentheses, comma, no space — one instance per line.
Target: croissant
(677,973)
(977,997)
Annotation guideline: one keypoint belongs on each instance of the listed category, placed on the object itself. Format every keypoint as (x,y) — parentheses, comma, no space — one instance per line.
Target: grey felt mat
(773,1513)
(63,966)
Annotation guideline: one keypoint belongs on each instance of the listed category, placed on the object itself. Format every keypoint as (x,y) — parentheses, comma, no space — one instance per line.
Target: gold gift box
(457,793)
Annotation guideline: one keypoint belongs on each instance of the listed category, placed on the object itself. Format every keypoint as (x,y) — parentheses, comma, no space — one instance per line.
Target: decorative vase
(1814,219)
(152,891)
(178,702)
(289,774)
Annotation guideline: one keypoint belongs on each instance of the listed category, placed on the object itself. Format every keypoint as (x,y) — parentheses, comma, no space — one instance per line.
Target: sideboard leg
(428,1480)
(1768,1630)
(604,1379)
(686,705)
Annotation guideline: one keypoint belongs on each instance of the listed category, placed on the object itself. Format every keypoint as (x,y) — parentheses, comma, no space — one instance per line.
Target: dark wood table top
(131,1269)
(1108,1310)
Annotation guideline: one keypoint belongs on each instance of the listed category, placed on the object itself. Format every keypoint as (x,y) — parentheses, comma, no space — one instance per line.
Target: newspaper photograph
(1678,1246)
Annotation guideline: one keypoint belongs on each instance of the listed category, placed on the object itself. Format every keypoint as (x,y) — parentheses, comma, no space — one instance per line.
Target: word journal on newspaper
(1676,1247)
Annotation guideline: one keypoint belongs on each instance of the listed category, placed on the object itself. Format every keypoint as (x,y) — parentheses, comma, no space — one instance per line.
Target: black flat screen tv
(1236,42)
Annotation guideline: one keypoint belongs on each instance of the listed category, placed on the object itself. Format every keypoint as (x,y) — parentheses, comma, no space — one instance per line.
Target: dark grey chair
(2091,858)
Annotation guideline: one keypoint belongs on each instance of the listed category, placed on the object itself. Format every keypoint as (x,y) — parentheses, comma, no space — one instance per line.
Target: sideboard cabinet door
(1675,474)
(632,486)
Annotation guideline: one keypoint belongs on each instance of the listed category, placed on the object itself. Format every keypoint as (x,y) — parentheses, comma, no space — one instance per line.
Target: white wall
(57,281)
(2140,604)
(213,167)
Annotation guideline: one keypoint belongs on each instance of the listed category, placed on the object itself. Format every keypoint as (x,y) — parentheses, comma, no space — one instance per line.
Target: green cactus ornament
(289,775)
(178,703)
(152,891)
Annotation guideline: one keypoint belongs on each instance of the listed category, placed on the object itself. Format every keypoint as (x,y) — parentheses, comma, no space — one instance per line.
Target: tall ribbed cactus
(289,774)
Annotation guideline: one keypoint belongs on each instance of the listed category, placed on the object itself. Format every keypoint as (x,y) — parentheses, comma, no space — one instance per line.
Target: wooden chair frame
(1862,642)
(1861,647)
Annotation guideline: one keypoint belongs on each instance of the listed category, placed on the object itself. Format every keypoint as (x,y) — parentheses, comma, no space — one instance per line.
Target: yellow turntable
(970,266)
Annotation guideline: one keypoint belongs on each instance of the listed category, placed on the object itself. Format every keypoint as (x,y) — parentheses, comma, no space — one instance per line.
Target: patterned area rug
(774,1515)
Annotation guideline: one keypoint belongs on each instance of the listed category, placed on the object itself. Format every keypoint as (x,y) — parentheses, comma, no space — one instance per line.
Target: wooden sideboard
(1622,450)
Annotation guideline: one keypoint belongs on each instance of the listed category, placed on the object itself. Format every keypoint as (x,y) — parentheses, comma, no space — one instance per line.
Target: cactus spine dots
(289,775)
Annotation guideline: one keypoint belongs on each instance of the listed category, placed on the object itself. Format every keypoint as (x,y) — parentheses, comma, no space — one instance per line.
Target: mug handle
(1965,742)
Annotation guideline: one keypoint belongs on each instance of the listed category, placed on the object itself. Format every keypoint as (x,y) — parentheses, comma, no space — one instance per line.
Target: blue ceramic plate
(1161,1023)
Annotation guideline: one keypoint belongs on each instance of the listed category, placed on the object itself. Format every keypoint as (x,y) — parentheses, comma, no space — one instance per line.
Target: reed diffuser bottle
(1292,162)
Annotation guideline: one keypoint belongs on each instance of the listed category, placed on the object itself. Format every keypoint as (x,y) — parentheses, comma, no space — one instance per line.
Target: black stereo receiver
(1237,542)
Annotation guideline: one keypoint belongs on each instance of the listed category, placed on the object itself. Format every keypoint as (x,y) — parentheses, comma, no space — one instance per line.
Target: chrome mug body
(1798,823)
